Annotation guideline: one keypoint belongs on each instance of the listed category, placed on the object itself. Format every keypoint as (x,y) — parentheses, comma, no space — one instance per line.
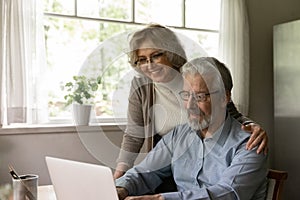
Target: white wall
(26,149)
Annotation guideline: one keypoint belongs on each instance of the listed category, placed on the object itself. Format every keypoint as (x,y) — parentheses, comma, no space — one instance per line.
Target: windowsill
(58,128)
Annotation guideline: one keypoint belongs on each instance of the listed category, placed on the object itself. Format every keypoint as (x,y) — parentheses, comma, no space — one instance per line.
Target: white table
(46,192)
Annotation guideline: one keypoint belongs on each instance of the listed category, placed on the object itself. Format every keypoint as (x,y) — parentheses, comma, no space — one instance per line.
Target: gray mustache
(195,111)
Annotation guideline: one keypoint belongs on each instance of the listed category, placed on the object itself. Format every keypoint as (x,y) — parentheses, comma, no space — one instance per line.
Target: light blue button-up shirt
(218,167)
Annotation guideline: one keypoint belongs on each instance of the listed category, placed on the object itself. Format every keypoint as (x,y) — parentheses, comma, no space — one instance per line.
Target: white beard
(196,125)
(194,122)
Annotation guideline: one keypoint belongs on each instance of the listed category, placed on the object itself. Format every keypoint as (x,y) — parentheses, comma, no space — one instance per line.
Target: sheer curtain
(234,49)
(22,62)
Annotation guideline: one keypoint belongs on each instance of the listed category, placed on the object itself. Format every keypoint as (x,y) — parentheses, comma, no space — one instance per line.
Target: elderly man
(207,156)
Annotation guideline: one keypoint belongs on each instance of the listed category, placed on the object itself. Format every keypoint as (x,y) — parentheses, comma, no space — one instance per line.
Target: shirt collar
(221,133)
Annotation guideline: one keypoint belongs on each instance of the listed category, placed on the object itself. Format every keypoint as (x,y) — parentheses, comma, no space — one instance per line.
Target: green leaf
(80,89)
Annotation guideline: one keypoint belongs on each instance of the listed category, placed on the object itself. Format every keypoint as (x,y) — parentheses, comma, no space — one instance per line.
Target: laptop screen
(78,180)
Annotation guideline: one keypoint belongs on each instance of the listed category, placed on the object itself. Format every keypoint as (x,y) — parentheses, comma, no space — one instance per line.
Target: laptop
(77,180)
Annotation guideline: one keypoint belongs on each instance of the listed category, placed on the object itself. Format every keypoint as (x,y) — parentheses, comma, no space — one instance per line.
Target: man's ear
(227,98)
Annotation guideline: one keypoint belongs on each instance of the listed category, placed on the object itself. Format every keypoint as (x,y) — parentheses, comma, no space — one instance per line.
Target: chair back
(275,184)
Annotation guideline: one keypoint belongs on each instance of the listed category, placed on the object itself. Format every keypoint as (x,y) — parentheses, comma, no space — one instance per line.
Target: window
(76,29)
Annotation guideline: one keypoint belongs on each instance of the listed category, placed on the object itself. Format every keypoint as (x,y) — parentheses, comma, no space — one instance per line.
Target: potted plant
(80,93)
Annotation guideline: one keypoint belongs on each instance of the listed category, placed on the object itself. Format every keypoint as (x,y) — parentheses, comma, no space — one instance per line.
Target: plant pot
(81,114)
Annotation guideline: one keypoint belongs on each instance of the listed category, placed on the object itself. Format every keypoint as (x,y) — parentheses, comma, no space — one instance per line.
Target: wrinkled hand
(258,138)
(122,193)
(146,197)
(118,174)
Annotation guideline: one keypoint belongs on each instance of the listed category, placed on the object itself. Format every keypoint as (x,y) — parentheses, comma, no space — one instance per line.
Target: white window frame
(133,21)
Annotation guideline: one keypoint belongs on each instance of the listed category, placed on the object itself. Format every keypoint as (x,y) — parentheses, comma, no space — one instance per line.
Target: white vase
(81,114)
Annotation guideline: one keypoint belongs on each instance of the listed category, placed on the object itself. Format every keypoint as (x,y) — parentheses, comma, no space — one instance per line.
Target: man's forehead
(195,80)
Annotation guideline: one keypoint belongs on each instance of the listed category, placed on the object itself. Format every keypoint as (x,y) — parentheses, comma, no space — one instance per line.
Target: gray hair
(216,77)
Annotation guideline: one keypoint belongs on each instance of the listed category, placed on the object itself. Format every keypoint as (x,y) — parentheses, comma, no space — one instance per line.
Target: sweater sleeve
(135,134)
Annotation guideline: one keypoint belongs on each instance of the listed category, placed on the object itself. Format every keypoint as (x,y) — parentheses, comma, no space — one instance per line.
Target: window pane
(203,14)
(117,9)
(207,41)
(66,7)
(166,12)
(69,43)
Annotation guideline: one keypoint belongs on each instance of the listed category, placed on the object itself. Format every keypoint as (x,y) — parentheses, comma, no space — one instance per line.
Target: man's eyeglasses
(154,57)
(199,97)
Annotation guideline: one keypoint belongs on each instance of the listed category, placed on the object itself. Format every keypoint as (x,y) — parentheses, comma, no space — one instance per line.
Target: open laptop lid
(77,180)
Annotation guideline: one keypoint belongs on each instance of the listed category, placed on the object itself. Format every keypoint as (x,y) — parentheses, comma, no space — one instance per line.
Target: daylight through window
(78,31)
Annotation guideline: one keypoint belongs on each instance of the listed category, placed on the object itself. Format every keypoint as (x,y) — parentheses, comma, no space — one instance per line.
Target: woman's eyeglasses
(199,97)
(154,58)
